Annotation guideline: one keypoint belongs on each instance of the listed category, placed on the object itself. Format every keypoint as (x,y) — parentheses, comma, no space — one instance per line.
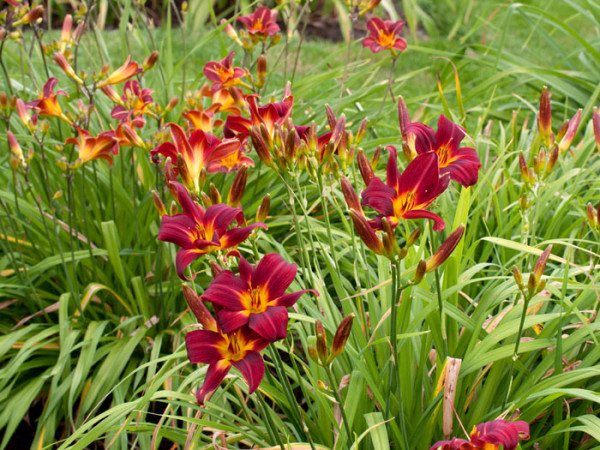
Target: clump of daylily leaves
(240,312)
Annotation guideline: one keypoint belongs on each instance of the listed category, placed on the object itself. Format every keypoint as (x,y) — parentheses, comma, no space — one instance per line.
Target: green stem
(389,86)
(333,384)
(268,421)
(326,213)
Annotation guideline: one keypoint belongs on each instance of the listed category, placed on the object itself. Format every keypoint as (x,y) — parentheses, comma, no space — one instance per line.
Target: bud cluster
(322,354)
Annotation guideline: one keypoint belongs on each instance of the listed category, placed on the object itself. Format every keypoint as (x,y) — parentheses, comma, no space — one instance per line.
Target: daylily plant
(199,231)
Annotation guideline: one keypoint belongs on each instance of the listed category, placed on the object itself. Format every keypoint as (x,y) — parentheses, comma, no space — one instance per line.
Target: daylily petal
(252,368)
(214,375)
(274,275)
(225,290)
(288,300)
(236,235)
(439,223)
(270,324)
(177,229)
(379,196)
(203,346)
(183,259)
(230,321)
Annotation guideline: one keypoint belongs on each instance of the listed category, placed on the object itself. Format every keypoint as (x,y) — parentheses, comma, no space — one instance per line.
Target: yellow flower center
(255,301)
(385,39)
(443,156)
(236,348)
(404,203)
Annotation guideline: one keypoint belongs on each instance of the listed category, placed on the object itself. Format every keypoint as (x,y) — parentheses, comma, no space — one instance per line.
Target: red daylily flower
(103,146)
(490,435)
(240,349)
(47,103)
(262,22)
(201,151)
(222,74)
(384,35)
(135,102)
(267,115)
(202,120)
(454,444)
(462,163)
(256,298)
(407,195)
(198,231)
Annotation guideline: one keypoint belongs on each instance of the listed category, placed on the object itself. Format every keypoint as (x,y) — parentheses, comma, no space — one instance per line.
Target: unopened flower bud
(360,134)
(168,171)
(66,67)
(565,142)
(596,124)
(350,195)
(524,204)
(259,144)
(199,309)
(413,238)
(215,269)
(420,271)
(403,116)
(261,70)
(545,118)
(3,100)
(366,233)
(540,265)
(375,158)
(132,136)
(172,104)
(236,191)
(312,352)
(150,61)
(364,166)
(160,206)
(518,276)
(322,349)
(341,337)
(206,200)
(523,169)
(214,194)
(112,94)
(591,216)
(446,249)
(263,209)
(31,16)
(185,174)
(230,32)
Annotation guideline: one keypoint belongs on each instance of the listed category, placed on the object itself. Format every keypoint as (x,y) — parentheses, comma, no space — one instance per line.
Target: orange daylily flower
(123,73)
(103,146)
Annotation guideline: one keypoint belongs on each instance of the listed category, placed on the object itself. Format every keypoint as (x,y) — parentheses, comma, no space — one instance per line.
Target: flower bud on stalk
(523,169)
(350,195)
(261,71)
(322,349)
(593,217)
(160,206)
(364,166)
(341,337)
(169,174)
(66,67)
(569,135)
(230,32)
(533,284)
(360,134)
(413,238)
(31,16)
(236,192)
(596,124)
(446,249)
(199,309)
(259,144)
(539,162)
(545,118)
(150,61)
(375,158)
(263,209)
(214,194)
(420,272)
(518,276)
(366,233)
(185,174)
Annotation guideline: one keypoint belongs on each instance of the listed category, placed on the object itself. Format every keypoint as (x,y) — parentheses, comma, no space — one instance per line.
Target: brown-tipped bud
(173,208)
(540,287)
(552,160)
(531,175)
(591,216)
(370,6)
(184,172)
(523,169)
(230,32)
(539,162)
(290,145)
(23,114)
(206,201)
(413,238)
(524,204)
(330,117)
(364,166)
(562,131)
(263,210)
(540,265)
(3,100)
(169,172)
(360,134)
(132,136)
(420,271)
(596,124)
(214,194)
(567,139)
(322,349)
(341,337)
(259,144)
(350,196)
(160,206)
(390,246)
(312,352)
(172,104)
(261,70)
(150,61)
(14,144)
(66,67)
(104,69)
(112,94)
(236,192)
(199,309)
(446,249)
(365,232)
(403,116)
(31,16)
(518,276)
(375,158)
(545,118)
(215,269)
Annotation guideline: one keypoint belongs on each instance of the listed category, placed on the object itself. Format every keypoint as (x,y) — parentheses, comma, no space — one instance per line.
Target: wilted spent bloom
(384,35)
